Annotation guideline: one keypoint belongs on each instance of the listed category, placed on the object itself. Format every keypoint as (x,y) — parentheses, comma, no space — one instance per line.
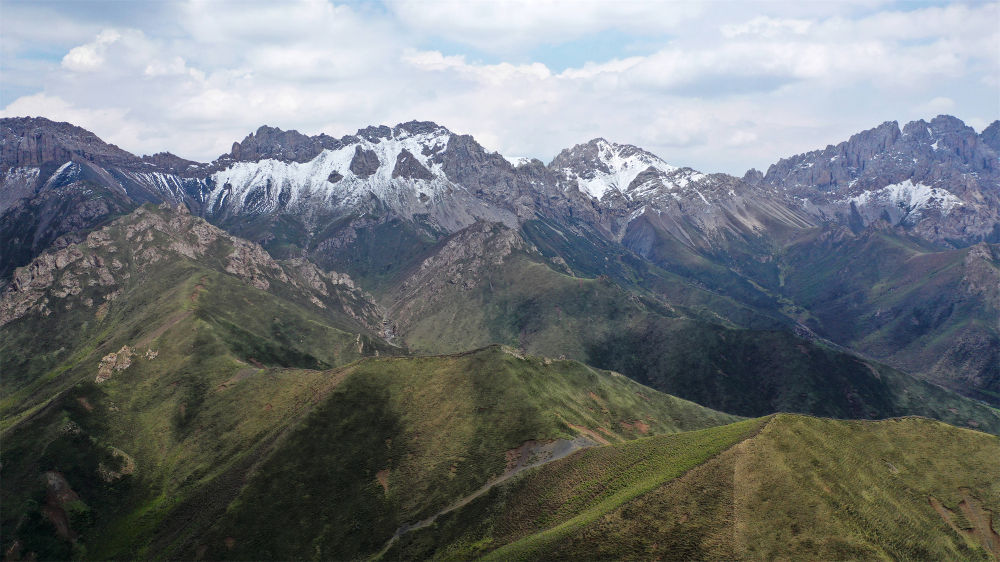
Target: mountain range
(457,324)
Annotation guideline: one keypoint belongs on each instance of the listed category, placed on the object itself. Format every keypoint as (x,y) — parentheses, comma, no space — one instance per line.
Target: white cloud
(90,57)
(937,105)
(767,27)
(503,26)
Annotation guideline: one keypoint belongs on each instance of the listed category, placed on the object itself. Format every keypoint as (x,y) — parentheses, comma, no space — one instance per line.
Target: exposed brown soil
(638,425)
(85,403)
(589,432)
(197,291)
(383,478)
(528,452)
(981,519)
(57,516)
(59,495)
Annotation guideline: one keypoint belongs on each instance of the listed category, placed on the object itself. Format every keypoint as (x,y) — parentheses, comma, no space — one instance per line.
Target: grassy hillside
(158,462)
(924,309)
(799,488)
(404,438)
(159,273)
(753,373)
(118,358)
(932,312)
(488,289)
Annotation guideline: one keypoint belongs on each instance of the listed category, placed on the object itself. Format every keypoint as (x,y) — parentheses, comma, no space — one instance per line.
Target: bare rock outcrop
(113,363)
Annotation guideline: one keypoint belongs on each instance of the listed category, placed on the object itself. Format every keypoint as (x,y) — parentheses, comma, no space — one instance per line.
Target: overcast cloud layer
(716,86)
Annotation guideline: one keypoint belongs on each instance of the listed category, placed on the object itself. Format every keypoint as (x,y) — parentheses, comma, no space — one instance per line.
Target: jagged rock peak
(601,154)
(292,146)
(33,141)
(378,133)
(888,152)
(753,177)
(599,167)
(272,142)
(171,162)
(991,136)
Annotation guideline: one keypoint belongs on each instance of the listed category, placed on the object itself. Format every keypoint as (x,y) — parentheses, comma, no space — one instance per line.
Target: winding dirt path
(558,449)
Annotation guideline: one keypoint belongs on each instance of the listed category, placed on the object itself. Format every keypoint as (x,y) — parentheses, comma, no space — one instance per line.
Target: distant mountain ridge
(939,179)
(376,204)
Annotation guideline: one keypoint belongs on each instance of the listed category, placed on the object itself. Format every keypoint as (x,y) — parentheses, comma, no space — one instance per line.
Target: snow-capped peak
(396,165)
(600,167)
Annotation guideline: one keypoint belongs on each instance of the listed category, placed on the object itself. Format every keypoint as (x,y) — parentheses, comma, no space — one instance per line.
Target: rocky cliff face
(132,246)
(459,263)
(632,187)
(58,181)
(272,142)
(32,142)
(938,179)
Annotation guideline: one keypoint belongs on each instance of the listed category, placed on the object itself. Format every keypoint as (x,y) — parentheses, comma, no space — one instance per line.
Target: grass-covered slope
(799,488)
(119,358)
(286,463)
(94,309)
(930,311)
(401,439)
(753,373)
(487,285)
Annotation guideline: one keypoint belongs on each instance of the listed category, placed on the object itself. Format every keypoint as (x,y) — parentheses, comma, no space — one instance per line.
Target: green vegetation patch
(402,439)
(565,496)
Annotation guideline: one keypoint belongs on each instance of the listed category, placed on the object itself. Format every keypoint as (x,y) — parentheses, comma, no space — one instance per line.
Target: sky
(719,86)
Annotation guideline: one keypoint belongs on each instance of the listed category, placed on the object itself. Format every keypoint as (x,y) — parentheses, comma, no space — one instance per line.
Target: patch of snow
(909,197)
(63,172)
(637,213)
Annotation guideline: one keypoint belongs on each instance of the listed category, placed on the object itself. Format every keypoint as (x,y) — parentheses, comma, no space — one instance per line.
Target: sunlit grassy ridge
(801,488)
(439,428)
(401,439)
(558,500)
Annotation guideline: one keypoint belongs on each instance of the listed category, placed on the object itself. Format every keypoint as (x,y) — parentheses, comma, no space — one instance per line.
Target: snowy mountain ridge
(397,167)
(600,168)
